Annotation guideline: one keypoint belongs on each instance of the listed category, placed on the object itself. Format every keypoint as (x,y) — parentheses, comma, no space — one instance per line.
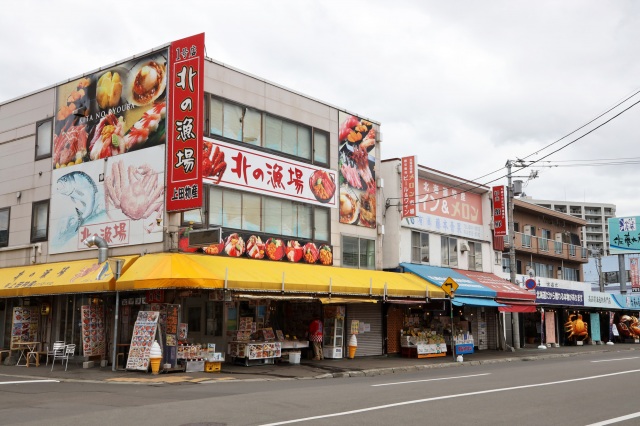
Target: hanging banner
(185,124)
(635,279)
(500,219)
(594,318)
(408,185)
(550,327)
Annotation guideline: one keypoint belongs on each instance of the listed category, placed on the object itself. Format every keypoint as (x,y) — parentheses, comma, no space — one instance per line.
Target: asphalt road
(591,389)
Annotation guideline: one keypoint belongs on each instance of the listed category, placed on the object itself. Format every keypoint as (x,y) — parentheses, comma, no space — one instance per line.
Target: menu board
(93,342)
(25,325)
(144,332)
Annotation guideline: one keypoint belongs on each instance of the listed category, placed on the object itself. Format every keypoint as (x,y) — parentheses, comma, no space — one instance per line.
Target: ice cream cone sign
(155,357)
(353,345)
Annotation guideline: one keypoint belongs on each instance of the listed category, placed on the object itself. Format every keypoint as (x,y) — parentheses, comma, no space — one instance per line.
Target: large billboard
(624,235)
(357,163)
(447,209)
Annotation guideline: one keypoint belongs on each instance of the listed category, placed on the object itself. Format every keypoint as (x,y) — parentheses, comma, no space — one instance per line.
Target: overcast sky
(464,85)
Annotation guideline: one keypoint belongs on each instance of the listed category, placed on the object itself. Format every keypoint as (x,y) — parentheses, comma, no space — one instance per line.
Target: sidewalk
(307,369)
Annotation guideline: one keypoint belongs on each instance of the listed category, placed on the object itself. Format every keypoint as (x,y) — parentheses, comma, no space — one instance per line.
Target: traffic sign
(449,286)
(530,283)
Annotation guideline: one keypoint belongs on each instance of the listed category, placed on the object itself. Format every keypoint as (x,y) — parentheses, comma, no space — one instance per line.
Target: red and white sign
(635,278)
(184,124)
(408,185)
(499,211)
(262,173)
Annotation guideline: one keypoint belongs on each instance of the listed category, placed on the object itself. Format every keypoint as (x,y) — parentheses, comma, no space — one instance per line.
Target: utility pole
(515,323)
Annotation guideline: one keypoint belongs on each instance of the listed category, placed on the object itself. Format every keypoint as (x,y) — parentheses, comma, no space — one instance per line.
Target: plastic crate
(212,367)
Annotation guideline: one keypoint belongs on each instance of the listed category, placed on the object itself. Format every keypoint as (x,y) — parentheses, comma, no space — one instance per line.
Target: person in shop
(315,337)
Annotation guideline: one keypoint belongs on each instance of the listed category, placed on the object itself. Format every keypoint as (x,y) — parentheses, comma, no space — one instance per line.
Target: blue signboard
(627,302)
(624,235)
(559,296)
(464,348)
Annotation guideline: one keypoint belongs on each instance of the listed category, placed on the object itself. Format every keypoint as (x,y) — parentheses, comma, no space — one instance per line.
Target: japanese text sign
(408,185)
(185,126)
(262,173)
(499,211)
(624,235)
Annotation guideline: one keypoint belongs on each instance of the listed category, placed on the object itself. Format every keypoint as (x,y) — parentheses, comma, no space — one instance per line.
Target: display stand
(254,353)
(333,337)
(463,346)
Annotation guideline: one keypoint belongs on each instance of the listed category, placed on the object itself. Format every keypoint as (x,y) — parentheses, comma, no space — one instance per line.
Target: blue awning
(437,275)
(476,301)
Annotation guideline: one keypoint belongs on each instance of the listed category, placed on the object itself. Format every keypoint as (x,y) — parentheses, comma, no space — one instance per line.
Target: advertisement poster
(116,110)
(357,163)
(186,112)
(245,169)
(144,332)
(24,325)
(120,199)
(409,185)
(550,327)
(445,209)
(500,220)
(595,326)
(93,342)
(635,278)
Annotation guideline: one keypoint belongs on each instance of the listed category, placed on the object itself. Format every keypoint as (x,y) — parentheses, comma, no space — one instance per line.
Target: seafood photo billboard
(116,110)
(357,163)
(120,199)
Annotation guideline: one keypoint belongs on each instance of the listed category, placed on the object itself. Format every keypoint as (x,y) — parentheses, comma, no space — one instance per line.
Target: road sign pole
(453,346)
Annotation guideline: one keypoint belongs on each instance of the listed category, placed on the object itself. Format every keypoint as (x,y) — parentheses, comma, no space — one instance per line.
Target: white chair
(58,346)
(69,350)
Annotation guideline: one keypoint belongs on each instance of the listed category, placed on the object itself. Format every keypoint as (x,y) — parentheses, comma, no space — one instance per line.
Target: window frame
(415,249)
(475,254)
(357,241)
(50,153)
(34,208)
(8,210)
(445,255)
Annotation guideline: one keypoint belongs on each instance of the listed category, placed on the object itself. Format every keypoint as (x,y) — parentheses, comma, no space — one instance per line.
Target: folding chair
(57,346)
(68,350)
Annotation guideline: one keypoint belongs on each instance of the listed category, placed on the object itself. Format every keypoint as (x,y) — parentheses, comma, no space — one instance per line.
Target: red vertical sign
(184,124)
(499,211)
(408,184)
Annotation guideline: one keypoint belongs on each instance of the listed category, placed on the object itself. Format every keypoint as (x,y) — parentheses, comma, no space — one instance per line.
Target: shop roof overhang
(80,276)
(199,271)
(437,275)
(476,301)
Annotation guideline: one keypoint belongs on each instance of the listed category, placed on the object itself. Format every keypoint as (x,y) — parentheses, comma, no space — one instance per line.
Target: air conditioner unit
(205,237)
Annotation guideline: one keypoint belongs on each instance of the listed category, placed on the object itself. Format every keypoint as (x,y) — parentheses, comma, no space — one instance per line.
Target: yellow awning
(178,270)
(80,276)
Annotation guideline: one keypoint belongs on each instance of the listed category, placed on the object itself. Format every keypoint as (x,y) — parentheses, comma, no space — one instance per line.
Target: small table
(25,348)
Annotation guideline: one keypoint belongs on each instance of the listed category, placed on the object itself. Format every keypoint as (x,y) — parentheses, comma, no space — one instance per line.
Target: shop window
(570,274)
(193,218)
(234,121)
(288,137)
(419,247)
(213,326)
(44,138)
(4,226)
(321,224)
(475,256)
(39,221)
(449,251)
(358,252)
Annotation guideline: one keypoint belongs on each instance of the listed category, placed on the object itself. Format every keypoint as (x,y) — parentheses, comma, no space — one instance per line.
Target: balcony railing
(546,247)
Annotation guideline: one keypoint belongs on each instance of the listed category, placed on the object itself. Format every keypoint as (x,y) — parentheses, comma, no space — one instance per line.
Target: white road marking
(439,398)
(432,380)
(617,359)
(30,381)
(616,420)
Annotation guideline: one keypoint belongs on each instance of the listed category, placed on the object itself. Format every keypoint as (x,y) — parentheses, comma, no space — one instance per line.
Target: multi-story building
(168,153)
(595,234)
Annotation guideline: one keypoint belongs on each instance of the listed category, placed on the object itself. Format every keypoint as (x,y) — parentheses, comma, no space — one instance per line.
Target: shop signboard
(631,302)
(624,235)
(186,112)
(357,156)
(500,218)
(595,299)
(559,296)
(246,169)
(446,209)
(464,348)
(93,341)
(144,332)
(408,185)
(24,325)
